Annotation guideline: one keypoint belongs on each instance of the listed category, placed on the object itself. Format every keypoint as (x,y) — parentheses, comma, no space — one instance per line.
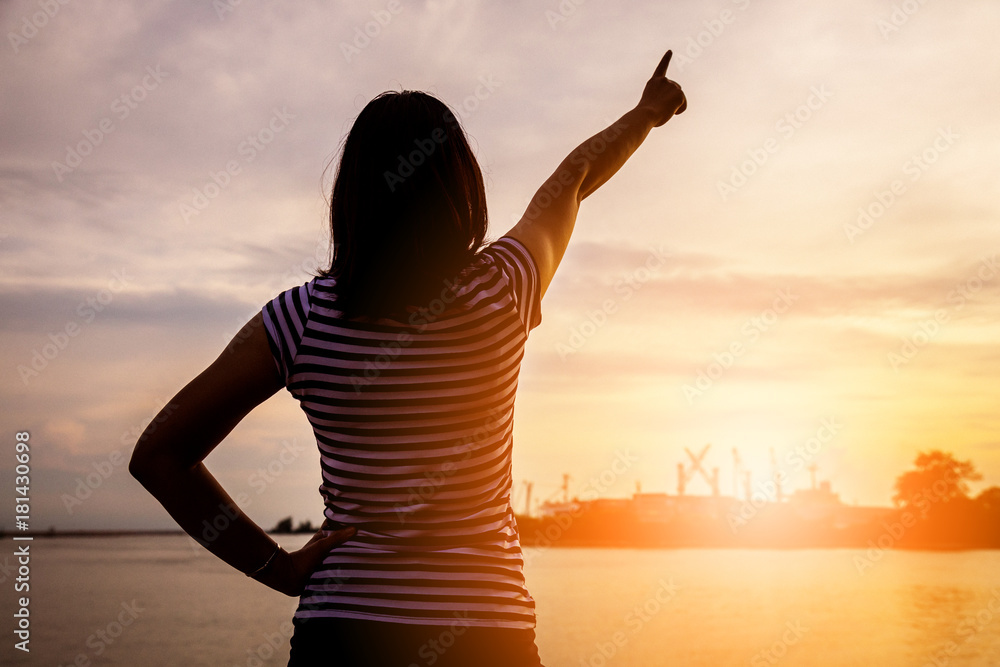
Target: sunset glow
(808,254)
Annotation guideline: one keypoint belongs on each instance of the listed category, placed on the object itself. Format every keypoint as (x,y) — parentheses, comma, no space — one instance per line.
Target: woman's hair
(408,208)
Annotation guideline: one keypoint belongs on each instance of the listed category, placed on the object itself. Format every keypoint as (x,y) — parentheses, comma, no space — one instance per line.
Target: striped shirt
(414,422)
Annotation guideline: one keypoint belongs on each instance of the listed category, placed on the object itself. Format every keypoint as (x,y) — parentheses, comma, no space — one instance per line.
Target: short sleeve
(520,268)
(285,318)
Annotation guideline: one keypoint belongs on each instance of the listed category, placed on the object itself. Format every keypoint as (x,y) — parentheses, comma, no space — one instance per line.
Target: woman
(404,355)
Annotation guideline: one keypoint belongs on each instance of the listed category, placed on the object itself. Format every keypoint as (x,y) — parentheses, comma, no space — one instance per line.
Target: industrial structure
(769,508)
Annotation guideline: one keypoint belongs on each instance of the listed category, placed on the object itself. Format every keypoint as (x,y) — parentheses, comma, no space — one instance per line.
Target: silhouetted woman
(404,355)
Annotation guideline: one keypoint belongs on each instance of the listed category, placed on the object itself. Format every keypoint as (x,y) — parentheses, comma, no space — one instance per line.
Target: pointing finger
(661,68)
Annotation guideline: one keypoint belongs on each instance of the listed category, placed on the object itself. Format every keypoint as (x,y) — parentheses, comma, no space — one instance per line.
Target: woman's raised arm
(547,223)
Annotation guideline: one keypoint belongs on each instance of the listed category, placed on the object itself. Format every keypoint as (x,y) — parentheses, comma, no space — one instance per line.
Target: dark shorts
(336,642)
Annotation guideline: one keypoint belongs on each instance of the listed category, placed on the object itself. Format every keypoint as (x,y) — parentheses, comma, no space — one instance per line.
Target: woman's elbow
(150,463)
(138,466)
(146,462)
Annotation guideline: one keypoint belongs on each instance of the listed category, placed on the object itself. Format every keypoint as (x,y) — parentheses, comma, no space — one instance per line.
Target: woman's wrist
(643,116)
(278,574)
(267,563)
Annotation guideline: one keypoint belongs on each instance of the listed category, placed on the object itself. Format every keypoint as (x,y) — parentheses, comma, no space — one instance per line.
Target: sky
(804,262)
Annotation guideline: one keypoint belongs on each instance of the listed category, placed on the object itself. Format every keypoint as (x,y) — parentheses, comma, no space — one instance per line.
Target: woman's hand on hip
(290,572)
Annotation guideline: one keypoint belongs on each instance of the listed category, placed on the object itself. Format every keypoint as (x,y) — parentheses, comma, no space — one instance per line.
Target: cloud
(699,283)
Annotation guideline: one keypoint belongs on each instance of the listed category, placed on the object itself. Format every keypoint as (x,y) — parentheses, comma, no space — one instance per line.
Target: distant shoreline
(103,533)
(90,533)
(529,544)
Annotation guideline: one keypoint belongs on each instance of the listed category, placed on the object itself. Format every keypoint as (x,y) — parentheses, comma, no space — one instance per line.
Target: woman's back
(413,414)
(414,418)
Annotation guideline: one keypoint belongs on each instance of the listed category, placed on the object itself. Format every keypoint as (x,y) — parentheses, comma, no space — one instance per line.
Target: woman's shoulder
(511,253)
(495,259)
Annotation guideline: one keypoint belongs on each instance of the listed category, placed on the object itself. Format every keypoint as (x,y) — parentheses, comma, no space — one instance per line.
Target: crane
(685,475)
(776,477)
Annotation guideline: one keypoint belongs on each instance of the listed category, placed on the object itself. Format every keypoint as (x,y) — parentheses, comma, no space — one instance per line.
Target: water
(158,601)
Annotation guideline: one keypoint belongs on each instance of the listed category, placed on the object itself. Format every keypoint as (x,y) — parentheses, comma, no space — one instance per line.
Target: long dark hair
(408,207)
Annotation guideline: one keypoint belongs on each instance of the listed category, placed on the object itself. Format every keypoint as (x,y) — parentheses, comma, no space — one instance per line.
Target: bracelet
(277,548)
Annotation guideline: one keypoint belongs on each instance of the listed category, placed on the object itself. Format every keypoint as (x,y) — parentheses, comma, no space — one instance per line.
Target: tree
(938,477)
(989,499)
(283,526)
